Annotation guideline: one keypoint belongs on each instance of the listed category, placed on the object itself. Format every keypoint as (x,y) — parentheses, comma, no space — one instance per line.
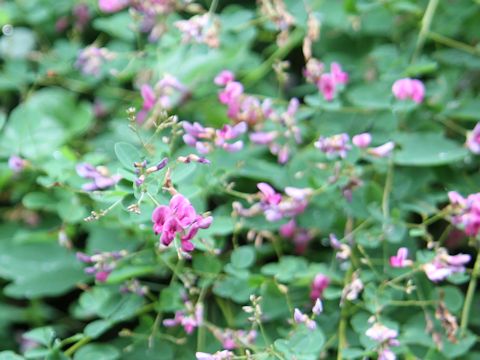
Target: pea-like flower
(100,176)
(385,337)
(444,265)
(466,212)
(336,145)
(400,260)
(409,89)
(179,217)
(473,140)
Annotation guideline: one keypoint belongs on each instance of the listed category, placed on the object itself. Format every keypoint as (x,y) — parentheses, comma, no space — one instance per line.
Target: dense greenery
(277,179)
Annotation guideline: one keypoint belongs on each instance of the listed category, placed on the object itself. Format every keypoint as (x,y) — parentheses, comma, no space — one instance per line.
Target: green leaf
(243,257)
(118,25)
(97,352)
(44,335)
(427,149)
(39,269)
(10,355)
(371,96)
(127,154)
(97,328)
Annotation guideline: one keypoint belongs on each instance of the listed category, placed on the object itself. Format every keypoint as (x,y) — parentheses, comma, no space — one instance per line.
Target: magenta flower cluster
(301,237)
(286,130)
(444,265)
(319,284)
(338,145)
(275,206)
(190,319)
(241,107)
(385,337)
(466,212)
(205,139)
(166,93)
(178,218)
(102,264)
(326,82)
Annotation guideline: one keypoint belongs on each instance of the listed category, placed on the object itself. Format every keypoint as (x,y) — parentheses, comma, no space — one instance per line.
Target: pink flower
(224,77)
(268,195)
(473,140)
(262,138)
(362,141)
(16,163)
(111,6)
(444,265)
(339,76)
(382,150)
(400,260)
(319,284)
(466,212)
(219,355)
(231,92)
(380,333)
(301,318)
(301,237)
(409,89)
(327,86)
(336,145)
(179,217)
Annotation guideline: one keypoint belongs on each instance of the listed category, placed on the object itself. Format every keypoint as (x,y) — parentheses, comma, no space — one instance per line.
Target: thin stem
(71,350)
(295,38)
(386,209)
(425,29)
(470,293)
(453,43)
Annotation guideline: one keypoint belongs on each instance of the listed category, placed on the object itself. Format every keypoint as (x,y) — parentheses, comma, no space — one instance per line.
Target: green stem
(295,38)
(425,29)
(71,350)
(386,210)
(453,43)
(470,293)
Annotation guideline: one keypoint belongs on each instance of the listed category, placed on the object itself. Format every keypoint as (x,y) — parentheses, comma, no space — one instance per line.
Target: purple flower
(317,307)
(189,319)
(102,264)
(444,265)
(382,150)
(100,176)
(336,145)
(92,58)
(319,284)
(301,318)
(362,141)
(401,259)
(16,163)
(409,89)
(473,140)
(383,335)
(179,217)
